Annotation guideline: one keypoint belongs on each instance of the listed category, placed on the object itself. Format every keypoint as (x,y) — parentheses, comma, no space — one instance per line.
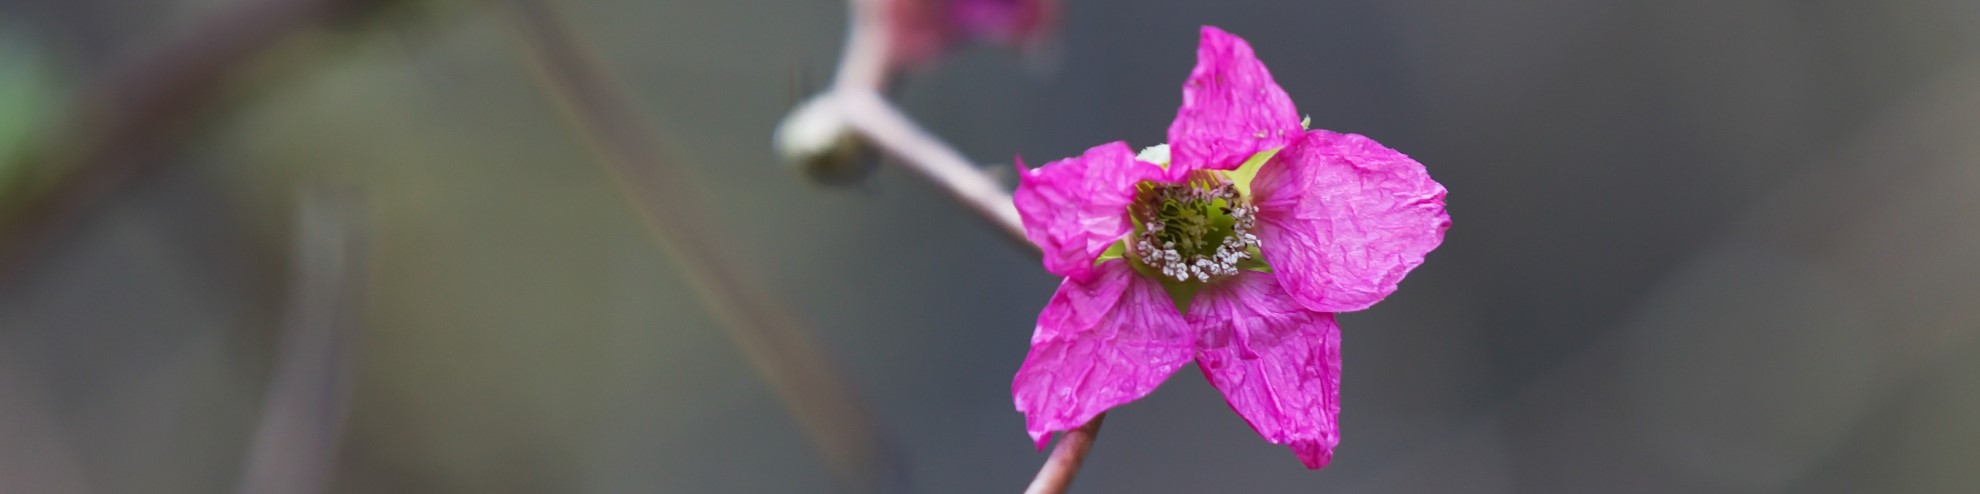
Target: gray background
(1698,246)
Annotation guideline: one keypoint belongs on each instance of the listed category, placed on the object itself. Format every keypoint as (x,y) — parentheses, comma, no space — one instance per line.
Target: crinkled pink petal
(1341,219)
(1278,364)
(1075,208)
(1231,108)
(1099,343)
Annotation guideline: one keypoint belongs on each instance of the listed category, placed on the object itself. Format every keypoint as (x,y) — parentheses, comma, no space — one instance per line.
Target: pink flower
(1236,254)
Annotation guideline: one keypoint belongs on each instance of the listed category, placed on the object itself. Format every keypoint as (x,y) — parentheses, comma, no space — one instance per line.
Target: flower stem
(1058,472)
(864,71)
(856,95)
(866,62)
(892,131)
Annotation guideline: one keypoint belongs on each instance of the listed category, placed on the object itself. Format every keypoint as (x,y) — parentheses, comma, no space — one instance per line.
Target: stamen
(1199,229)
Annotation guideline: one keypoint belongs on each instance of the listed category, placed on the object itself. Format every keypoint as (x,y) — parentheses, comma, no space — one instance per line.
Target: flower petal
(1075,208)
(1231,108)
(1278,364)
(1341,219)
(1100,343)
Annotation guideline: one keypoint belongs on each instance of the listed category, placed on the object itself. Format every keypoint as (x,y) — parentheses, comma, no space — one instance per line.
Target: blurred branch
(866,62)
(295,448)
(889,129)
(775,343)
(1059,469)
(855,102)
(118,126)
(120,122)
(855,105)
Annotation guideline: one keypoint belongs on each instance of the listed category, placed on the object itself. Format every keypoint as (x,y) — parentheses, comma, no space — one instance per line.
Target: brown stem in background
(775,342)
(294,450)
(121,122)
(119,126)
(1058,472)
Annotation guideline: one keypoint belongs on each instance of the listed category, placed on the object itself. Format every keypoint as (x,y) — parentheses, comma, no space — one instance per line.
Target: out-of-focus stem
(917,150)
(1058,472)
(294,449)
(773,341)
(856,97)
(855,105)
(867,61)
(120,122)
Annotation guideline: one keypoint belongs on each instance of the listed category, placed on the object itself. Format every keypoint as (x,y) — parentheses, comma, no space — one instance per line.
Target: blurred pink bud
(924,29)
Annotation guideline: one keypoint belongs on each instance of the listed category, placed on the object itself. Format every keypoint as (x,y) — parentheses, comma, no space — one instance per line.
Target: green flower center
(1198,230)
(1193,233)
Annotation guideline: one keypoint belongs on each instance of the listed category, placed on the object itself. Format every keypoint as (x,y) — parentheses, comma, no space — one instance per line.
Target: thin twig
(922,153)
(295,448)
(867,62)
(856,95)
(1058,472)
(856,99)
(775,342)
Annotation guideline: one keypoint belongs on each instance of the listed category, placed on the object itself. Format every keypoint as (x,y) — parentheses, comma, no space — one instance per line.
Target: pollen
(1198,230)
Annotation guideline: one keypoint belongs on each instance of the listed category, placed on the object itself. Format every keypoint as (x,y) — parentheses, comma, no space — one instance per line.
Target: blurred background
(369,246)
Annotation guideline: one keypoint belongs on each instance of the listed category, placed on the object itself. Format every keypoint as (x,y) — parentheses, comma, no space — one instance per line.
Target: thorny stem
(1058,472)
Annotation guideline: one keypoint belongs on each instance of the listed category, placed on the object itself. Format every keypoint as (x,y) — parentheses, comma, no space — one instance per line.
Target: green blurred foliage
(28,93)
